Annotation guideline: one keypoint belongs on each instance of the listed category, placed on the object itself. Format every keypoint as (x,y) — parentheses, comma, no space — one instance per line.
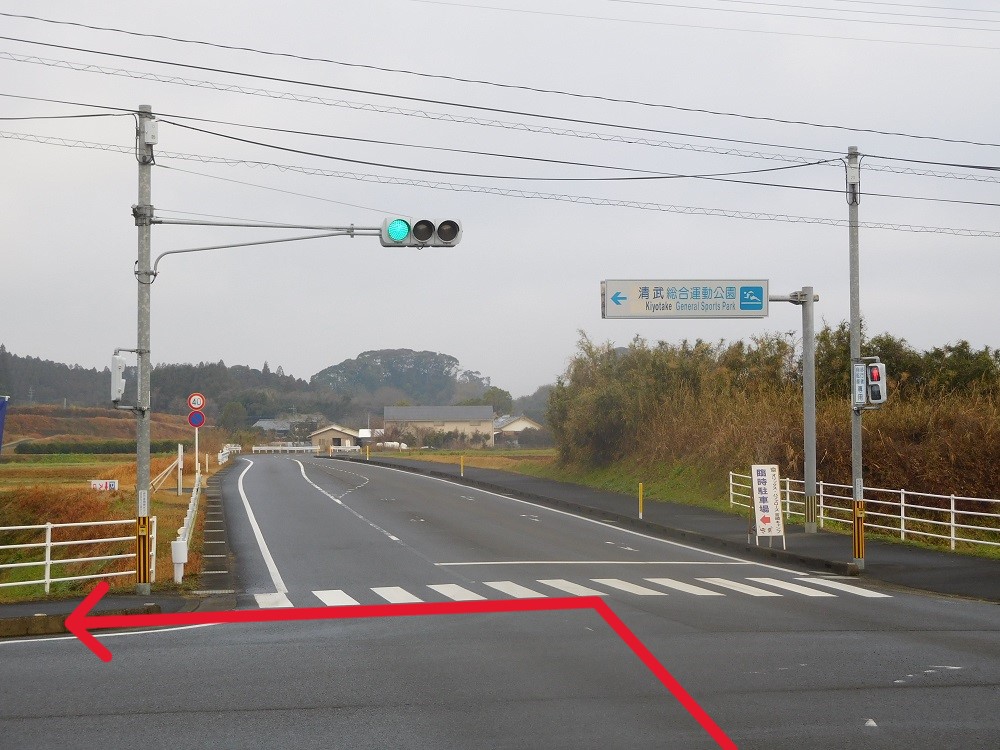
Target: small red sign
(196,419)
(196,402)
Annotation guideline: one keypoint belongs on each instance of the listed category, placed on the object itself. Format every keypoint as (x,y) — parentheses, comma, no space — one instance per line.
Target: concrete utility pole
(143,212)
(853,199)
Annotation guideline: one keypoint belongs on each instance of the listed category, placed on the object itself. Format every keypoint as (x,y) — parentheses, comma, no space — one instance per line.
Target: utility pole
(143,214)
(853,199)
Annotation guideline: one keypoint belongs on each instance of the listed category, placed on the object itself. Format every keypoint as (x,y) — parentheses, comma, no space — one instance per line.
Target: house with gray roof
(469,421)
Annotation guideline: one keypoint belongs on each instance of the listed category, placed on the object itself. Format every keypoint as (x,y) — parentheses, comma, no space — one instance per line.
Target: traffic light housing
(117,378)
(403,231)
(877,385)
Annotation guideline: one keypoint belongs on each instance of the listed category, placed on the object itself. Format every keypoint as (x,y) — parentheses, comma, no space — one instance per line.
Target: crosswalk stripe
(395,594)
(335,598)
(688,588)
(455,592)
(571,588)
(515,590)
(857,590)
(272,601)
(631,588)
(743,588)
(789,586)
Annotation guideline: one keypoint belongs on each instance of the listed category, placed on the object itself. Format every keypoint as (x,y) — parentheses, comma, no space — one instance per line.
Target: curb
(767,553)
(42,624)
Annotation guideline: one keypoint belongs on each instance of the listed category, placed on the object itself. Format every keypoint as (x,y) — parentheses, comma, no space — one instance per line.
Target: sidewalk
(895,564)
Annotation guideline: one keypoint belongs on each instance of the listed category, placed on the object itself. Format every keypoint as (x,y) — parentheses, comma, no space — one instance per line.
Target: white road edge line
(588,520)
(279,584)
(43,639)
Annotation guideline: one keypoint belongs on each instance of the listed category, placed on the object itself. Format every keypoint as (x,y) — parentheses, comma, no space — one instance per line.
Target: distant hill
(422,378)
(238,395)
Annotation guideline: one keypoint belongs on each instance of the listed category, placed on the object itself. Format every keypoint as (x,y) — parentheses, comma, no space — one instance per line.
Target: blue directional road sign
(684,298)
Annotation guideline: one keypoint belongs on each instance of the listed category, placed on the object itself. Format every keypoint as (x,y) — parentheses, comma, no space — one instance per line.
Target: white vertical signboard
(768,520)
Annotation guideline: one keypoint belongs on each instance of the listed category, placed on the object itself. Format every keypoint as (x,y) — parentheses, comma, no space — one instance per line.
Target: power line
(762,155)
(400,167)
(516,192)
(873,12)
(774,14)
(60,117)
(636,140)
(910,5)
(440,102)
(458,79)
(708,27)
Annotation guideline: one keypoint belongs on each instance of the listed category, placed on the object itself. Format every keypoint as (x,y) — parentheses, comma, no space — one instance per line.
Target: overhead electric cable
(519,87)
(505,192)
(647,176)
(708,27)
(636,140)
(774,14)
(441,102)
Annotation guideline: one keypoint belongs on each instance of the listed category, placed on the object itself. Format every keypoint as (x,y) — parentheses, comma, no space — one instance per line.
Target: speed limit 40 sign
(196,402)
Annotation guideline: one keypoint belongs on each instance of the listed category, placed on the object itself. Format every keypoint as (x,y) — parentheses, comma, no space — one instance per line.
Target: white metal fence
(951,518)
(179,547)
(288,448)
(51,557)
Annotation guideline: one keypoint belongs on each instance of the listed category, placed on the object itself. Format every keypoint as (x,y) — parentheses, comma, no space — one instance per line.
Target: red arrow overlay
(81,622)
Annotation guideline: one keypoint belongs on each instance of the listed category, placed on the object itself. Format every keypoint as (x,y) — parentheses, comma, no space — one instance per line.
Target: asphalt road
(776,657)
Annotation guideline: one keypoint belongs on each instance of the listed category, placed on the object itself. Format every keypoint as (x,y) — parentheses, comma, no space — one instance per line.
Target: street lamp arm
(364,231)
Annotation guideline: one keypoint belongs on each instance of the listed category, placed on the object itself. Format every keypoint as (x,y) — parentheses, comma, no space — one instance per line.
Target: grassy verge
(677,483)
(56,489)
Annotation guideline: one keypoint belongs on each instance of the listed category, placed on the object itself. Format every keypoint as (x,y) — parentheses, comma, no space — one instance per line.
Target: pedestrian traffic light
(403,231)
(117,378)
(877,384)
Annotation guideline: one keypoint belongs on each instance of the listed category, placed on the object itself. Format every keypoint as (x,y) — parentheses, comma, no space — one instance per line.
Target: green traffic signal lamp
(396,232)
(407,232)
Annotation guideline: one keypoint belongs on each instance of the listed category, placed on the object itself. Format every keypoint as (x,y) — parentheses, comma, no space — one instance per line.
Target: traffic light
(403,231)
(117,378)
(877,383)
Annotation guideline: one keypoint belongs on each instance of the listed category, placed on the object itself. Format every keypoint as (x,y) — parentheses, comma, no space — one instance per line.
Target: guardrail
(227,451)
(952,518)
(179,547)
(49,546)
(285,449)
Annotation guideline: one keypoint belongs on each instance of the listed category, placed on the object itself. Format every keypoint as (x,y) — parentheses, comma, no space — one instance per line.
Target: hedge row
(97,447)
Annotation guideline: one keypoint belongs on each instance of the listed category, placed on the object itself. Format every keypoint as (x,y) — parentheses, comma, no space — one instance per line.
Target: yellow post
(368,453)
(462,466)
(640,501)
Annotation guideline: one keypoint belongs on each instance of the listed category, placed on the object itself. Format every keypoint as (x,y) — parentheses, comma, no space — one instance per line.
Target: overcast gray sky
(510,300)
